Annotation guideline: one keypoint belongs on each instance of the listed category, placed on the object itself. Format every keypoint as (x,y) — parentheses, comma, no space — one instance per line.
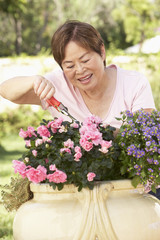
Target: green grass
(11,148)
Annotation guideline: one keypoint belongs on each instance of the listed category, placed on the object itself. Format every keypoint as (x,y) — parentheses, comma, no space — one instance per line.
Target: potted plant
(139,143)
(78,178)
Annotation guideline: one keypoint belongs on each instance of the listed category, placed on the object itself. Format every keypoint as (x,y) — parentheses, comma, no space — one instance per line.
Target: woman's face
(83,68)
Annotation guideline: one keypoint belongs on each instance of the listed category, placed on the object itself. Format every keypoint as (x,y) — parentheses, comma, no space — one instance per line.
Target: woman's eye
(70,66)
(85,61)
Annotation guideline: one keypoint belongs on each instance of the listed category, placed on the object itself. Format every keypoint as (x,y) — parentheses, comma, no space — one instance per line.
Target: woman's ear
(103,52)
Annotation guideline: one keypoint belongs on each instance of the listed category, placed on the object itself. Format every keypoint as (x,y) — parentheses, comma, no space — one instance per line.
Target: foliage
(21,27)
(16,193)
(12,120)
(139,18)
(60,152)
(139,142)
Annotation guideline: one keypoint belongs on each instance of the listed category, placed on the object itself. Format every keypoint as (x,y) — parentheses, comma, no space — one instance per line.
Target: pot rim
(122,184)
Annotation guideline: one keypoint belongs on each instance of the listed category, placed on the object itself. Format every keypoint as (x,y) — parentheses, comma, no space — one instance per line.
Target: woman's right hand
(43,88)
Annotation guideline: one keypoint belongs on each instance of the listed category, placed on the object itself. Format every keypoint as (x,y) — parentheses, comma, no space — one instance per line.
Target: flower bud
(47,145)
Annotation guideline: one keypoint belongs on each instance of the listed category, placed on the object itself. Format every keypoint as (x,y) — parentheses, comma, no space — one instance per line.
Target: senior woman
(83,83)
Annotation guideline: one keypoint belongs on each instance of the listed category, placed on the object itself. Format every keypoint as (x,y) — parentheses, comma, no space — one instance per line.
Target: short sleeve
(142,95)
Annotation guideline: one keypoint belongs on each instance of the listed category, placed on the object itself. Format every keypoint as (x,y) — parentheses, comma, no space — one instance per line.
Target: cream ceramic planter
(111,211)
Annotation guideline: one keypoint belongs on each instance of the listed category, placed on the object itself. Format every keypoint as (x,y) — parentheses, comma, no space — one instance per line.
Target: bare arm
(27,90)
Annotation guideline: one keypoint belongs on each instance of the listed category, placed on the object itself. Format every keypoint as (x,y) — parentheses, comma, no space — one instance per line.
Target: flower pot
(112,210)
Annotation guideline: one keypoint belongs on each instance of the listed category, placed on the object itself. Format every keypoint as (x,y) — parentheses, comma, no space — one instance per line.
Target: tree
(139,19)
(15,9)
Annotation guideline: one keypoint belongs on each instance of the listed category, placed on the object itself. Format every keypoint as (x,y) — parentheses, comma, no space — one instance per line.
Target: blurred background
(131,32)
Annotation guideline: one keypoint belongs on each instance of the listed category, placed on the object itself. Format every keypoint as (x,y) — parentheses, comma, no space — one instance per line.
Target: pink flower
(29,133)
(56,124)
(77,156)
(91,176)
(43,131)
(83,129)
(65,150)
(90,130)
(69,143)
(95,136)
(75,125)
(105,145)
(34,152)
(62,129)
(78,153)
(77,149)
(36,175)
(92,119)
(57,177)
(28,143)
(86,145)
(19,167)
(23,133)
(38,142)
(53,167)
(46,139)
(46,160)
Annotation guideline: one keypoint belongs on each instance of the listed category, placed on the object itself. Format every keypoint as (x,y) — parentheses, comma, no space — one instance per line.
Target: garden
(12,120)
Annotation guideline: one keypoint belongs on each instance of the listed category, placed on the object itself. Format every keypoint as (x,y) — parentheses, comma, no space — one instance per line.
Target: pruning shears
(60,107)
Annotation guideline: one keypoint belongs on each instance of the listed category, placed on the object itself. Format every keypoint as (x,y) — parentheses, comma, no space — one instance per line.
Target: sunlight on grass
(12,148)
(6,222)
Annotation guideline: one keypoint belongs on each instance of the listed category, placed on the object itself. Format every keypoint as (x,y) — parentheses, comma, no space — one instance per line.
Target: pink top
(132,92)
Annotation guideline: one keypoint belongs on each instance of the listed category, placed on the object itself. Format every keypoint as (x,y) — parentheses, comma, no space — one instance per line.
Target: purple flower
(151,176)
(150,170)
(156,162)
(140,153)
(148,143)
(131,149)
(122,144)
(129,114)
(150,160)
(123,134)
(138,173)
(136,166)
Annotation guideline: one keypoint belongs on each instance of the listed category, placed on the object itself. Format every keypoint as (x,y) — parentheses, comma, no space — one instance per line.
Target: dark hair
(82,33)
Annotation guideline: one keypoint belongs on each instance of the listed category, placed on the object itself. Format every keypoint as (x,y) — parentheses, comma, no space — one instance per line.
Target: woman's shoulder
(131,79)
(54,74)
(128,75)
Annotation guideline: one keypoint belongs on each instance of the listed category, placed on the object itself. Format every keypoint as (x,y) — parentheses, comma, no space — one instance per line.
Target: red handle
(53,102)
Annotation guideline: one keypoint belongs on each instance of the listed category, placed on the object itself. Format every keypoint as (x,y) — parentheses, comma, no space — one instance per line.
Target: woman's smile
(86,79)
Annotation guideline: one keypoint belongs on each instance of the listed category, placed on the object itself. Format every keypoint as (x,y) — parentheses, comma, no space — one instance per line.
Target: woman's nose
(79,68)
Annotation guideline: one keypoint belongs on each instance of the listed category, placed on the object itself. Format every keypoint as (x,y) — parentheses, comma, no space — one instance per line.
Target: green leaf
(60,186)
(119,119)
(135,181)
(158,180)
(153,188)
(123,170)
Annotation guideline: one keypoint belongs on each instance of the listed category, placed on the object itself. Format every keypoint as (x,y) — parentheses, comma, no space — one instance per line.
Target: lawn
(11,148)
